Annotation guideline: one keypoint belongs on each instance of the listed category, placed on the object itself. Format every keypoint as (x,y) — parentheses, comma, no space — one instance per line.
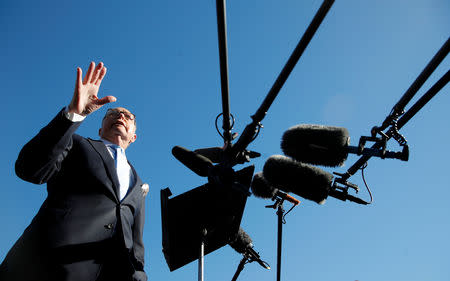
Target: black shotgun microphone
(327,145)
(316,144)
(263,189)
(194,161)
(307,181)
(243,245)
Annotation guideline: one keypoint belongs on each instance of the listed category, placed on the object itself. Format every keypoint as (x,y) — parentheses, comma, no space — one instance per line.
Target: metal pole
(223,58)
(423,76)
(280,213)
(402,121)
(424,99)
(247,135)
(239,269)
(201,255)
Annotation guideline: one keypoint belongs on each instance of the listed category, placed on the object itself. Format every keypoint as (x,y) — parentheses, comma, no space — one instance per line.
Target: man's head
(119,127)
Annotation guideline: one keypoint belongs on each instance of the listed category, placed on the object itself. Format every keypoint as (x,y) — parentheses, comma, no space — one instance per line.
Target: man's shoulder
(85,139)
(79,140)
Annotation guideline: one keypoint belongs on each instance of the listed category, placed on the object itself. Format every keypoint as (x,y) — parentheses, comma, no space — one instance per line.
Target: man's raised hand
(85,99)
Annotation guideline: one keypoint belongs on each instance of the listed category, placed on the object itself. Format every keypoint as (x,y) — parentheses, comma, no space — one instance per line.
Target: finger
(88,76)
(105,100)
(78,82)
(100,78)
(96,73)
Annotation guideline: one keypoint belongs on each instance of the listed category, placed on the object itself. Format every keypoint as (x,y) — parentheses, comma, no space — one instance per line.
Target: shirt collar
(111,145)
(108,143)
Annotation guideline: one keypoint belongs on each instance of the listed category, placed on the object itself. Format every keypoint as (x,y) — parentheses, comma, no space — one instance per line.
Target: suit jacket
(82,222)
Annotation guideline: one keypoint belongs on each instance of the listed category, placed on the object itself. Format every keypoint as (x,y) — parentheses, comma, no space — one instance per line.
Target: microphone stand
(240,268)
(280,212)
(201,256)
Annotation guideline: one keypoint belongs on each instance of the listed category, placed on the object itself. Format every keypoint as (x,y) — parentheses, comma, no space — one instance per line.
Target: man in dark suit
(90,226)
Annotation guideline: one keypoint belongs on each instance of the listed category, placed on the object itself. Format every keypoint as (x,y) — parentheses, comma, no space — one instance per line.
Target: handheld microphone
(327,145)
(263,189)
(243,245)
(194,161)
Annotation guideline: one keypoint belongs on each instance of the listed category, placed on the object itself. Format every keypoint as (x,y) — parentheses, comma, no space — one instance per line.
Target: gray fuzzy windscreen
(316,144)
(288,175)
(241,242)
(262,188)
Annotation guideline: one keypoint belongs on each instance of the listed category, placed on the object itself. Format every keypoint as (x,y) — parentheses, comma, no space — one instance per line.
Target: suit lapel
(108,161)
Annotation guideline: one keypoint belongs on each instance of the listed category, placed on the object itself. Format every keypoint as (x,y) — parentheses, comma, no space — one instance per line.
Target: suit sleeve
(138,244)
(42,156)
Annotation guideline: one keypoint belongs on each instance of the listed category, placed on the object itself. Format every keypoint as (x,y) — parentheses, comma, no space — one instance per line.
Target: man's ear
(133,139)
(100,132)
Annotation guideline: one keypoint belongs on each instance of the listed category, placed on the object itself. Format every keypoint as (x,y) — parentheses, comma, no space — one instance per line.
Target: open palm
(85,97)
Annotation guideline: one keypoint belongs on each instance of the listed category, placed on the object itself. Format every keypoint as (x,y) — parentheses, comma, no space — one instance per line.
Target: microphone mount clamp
(380,149)
(339,190)
(345,184)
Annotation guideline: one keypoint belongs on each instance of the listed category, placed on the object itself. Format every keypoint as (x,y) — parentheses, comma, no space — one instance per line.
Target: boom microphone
(194,161)
(243,245)
(316,144)
(307,181)
(263,189)
(304,180)
(326,145)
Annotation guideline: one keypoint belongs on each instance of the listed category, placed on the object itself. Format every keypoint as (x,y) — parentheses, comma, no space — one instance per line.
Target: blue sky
(162,60)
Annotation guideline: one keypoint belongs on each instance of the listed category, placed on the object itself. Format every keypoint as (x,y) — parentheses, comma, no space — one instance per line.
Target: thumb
(106,100)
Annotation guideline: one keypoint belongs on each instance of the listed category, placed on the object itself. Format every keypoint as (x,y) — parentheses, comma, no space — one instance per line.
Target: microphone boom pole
(424,99)
(399,107)
(441,83)
(223,57)
(251,129)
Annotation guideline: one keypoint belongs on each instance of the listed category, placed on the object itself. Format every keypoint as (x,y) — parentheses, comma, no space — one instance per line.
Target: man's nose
(122,116)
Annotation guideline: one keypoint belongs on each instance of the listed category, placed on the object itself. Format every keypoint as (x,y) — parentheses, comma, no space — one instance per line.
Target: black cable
(284,216)
(231,126)
(365,183)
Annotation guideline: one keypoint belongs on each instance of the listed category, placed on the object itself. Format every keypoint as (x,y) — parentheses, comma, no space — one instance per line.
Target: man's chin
(119,127)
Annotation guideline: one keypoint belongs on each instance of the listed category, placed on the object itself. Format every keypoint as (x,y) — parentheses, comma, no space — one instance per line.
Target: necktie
(123,171)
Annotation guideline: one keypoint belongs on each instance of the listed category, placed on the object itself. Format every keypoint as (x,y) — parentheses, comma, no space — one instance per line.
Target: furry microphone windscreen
(241,242)
(304,180)
(262,188)
(316,144)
